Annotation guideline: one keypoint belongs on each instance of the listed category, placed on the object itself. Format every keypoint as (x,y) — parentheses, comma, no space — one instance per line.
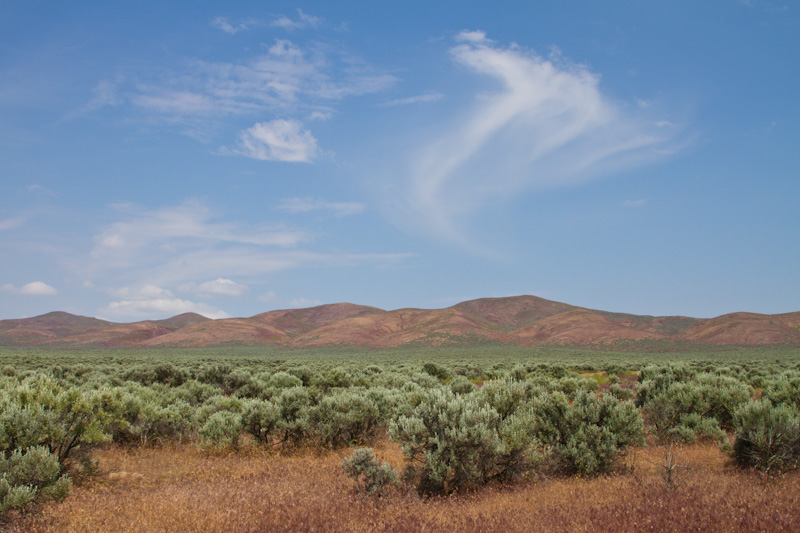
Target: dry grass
(179,488)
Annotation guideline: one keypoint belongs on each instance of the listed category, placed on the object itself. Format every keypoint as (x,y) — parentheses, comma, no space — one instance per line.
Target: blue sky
(233,158)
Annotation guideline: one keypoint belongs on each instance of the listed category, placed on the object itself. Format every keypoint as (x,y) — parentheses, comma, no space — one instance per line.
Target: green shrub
(585,437)
(260,419)
(31,475)
(293,405)
(436,370)
(221,430)
(455,442)
(342,418)
(461,385)
(371,476)
(68,421)
(767,436)
(620,393)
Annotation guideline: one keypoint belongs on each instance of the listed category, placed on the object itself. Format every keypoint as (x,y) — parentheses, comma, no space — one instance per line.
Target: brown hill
(47,327)
(745,328)
(579,326)
(223,331)
(522,320)
(115,335)
(300,321)
(394,328)
(513,312)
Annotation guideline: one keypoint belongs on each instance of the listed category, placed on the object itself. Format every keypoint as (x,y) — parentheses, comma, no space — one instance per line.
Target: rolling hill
(520,320)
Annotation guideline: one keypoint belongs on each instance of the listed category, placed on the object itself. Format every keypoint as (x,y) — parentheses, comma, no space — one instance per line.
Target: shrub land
(491,438)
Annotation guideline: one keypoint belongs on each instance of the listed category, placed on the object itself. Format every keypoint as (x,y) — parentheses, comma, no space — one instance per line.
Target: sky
(231,158)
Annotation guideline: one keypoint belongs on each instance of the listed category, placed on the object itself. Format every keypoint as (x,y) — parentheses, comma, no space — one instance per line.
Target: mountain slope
(522,320)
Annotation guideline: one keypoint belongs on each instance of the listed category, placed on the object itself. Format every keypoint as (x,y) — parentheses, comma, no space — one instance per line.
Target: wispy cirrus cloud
(287,77)
(418,99)
(215,288)
(277,140)
(233,27)
(149,253)
(303,20)
(306,204)
(12,223)
(547,124)
(639,202)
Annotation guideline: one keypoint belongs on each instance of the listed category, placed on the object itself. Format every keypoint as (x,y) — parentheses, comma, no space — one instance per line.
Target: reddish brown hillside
(46,327)
(116,335)
(524,320)
(744,328)
(181,321)
(394,328)
(299,321)
(513,312)
(579,326)
(224,331)
(792,320)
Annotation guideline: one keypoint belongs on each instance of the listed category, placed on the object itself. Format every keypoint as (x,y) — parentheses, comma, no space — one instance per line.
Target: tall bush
(767,436)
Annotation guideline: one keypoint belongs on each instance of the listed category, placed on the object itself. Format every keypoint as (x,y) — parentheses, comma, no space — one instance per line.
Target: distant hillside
(520,320)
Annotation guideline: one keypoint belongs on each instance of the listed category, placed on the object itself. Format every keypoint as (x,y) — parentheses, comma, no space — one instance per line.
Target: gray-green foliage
(344,417)
(587,435)
(293,406)
(371,476)
(684,405)
(260,420)
(68,421)
(221,430)
(456,442)
(33,474)
(767,436)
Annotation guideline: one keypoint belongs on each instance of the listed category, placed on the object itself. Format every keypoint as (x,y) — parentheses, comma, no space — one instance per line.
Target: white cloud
(160,307)
(286,78)
(215,288)
(419,99)
(278,140)
(38,189)
(188,245)
(233,28)
(306,204)
(34,288)
(269,296)
(476,36)
(548,124)
(185,225)
(302,21)
(142,292)
(639,202)
(304,302)
(149,300)
(11,223)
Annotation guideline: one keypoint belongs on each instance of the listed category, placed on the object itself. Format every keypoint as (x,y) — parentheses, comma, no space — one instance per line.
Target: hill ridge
(524,320)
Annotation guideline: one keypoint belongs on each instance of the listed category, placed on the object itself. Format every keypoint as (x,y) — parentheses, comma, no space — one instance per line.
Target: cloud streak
(287,77)
(215,288)
(546,125)
(277,140)
(307,204)
(147,254)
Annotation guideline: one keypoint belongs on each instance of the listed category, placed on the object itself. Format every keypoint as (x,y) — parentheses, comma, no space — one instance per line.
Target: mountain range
(519,320)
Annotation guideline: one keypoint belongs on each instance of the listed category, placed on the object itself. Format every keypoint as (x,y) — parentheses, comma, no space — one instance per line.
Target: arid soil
(181,488)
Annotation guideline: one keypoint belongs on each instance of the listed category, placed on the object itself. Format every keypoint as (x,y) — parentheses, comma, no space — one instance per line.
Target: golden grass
(180,488)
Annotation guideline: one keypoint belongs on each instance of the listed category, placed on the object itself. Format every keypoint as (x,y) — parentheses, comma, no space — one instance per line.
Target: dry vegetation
(180,488)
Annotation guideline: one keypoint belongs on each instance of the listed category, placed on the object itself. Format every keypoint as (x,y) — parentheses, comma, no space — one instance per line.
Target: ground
(178,487)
